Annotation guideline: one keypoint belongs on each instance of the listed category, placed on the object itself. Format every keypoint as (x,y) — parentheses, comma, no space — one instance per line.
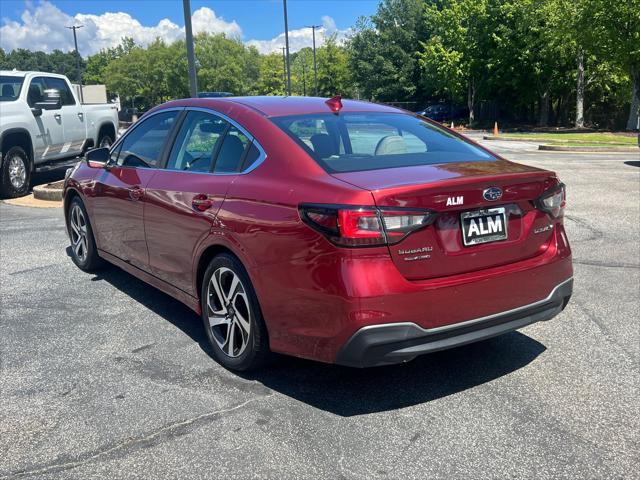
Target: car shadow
(633,163)
(348,391)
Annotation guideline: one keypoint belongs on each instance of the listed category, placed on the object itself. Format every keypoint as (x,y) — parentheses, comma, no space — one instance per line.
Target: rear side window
(10,88)
(350,142)
(197,142)
(231,152)
(143,146)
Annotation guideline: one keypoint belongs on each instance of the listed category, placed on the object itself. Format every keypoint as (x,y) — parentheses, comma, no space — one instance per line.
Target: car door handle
(136,193)
(80,115)
(57,116)
(201,202)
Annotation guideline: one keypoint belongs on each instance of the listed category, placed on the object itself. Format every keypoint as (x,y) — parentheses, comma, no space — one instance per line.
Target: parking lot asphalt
(102,376)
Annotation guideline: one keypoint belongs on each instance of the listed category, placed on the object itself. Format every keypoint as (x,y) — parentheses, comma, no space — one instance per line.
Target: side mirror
(51,100)
(98,157)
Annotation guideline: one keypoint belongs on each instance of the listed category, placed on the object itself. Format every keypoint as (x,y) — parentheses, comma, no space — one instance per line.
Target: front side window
(36,91)
(350,142)
(143,146)
(63,87)
(197,142)
(10,88)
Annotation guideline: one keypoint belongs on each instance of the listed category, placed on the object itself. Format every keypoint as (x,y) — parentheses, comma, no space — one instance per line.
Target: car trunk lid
(455,190)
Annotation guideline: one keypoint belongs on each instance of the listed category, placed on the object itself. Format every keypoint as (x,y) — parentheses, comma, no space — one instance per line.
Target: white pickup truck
(44,126)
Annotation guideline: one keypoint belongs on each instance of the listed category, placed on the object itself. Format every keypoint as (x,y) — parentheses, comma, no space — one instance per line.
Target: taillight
(352,226)
(553,201)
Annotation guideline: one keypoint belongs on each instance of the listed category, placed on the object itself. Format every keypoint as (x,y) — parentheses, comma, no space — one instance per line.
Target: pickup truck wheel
(83,246)
(15,176)
(105,141)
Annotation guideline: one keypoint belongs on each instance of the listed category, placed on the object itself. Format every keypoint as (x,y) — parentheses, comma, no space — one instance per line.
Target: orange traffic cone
(496,132)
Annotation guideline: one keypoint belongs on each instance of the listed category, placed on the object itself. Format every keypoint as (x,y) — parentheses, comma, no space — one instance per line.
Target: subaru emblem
(492,194)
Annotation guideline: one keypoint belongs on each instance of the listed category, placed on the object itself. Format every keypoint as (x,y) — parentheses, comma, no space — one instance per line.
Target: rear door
(74,129)
(183,199)
(120,190)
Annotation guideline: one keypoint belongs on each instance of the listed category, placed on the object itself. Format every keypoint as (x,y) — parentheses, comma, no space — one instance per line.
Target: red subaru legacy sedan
(339,231)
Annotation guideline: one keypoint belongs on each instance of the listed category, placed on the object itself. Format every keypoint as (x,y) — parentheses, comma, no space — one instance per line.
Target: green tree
(614,32)
(334,76)
(271,75)
(302,72)
(456,58)
(382,51)
(97,63)
(225,64)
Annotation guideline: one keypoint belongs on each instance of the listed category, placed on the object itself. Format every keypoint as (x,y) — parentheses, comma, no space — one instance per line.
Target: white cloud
(43,28)
(302,37)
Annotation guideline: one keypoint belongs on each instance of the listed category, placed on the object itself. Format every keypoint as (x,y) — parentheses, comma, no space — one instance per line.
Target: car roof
(13,73)
(20,73)
(272,106)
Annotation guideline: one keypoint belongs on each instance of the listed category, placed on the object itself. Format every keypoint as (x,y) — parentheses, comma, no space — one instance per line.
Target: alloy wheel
(79,241)
(228,312)
(105,142)
(17,172)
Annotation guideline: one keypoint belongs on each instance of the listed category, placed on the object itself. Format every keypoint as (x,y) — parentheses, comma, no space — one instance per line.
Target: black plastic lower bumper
(391,343)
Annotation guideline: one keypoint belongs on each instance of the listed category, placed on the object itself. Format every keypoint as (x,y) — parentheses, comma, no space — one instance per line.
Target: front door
(184,198)
(121,189)
(49,138)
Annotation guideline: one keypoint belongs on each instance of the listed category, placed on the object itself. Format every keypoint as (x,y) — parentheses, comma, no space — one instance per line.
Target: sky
(40,24)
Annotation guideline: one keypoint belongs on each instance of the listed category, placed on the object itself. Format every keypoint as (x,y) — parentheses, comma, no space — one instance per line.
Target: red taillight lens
(364,226)
(553,201)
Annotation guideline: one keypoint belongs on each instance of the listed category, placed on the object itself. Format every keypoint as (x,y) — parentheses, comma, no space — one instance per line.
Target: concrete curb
(509,139)
(29,201)
(560,148)
(49,192)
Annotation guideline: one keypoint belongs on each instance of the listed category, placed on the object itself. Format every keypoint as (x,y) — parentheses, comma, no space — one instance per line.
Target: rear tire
(105,140)
(15,173)
(231,316)
(83,246)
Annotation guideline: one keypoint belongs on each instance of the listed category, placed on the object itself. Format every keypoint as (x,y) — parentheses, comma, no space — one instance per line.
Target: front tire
(83,246)
(231,316)
(15,174)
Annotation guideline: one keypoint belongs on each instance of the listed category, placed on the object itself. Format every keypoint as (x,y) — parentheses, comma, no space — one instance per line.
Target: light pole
(284,69)
(286,41)
(191,59)
(75,41)
(304,77)
(315,68)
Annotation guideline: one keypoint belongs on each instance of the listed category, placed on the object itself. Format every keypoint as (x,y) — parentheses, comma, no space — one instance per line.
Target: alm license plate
(483,226)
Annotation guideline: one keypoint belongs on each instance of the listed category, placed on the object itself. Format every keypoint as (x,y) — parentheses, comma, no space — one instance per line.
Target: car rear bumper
(391,343)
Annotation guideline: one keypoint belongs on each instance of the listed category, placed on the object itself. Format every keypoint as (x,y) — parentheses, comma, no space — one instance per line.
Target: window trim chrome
(261,158)
(138,123)
(252,139)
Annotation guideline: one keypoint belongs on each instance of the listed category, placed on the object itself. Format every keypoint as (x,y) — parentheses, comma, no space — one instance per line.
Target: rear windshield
(350,142)
(10,88)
